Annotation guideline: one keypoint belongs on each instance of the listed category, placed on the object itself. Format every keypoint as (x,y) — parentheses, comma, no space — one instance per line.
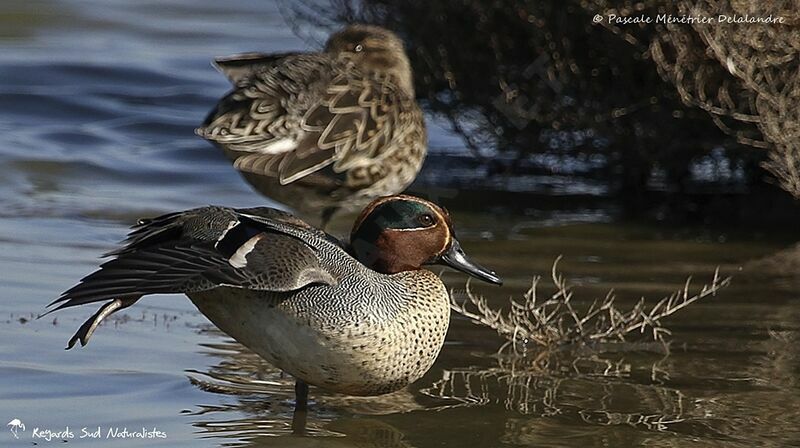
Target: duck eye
(358,48)
(426,220)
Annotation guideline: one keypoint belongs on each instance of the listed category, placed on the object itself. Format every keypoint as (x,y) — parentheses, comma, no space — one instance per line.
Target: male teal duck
(327,130)
(361,319)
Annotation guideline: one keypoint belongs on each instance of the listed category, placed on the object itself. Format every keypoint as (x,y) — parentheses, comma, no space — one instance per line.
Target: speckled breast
(359,337)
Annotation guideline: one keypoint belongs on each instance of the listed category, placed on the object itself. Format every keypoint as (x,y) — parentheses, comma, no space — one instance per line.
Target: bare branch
(556,322)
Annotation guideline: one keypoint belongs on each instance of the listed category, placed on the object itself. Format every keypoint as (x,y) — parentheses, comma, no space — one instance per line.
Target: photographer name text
(667,19)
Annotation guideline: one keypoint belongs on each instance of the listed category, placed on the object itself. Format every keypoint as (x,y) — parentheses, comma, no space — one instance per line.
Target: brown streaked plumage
(321,131)
(362,319)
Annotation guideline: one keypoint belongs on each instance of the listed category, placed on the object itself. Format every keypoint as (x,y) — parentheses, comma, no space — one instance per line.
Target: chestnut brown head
(373,48)
(403,233)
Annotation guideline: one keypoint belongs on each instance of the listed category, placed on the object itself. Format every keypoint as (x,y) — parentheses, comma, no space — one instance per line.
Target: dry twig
(555,321)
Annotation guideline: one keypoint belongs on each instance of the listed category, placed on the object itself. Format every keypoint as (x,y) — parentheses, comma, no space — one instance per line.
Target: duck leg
(300,408)
(87,329)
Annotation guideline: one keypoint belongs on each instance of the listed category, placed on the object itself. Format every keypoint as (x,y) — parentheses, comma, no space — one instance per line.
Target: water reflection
(264,404)
(558,384)
(602,389)
(99,100)
(666,397)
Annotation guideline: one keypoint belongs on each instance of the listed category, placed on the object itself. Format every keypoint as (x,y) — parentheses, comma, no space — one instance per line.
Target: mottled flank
(369,343)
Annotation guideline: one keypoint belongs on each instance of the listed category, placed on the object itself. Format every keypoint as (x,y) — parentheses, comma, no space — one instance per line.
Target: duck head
(403,233)
(373,48)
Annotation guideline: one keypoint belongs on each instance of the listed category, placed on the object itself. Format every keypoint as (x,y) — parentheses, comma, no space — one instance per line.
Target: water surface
(98,100)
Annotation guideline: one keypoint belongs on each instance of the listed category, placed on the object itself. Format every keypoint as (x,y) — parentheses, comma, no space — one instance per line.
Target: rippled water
(98,100)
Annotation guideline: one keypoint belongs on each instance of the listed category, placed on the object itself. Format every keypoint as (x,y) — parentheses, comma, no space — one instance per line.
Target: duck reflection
(520,399)
(264,407)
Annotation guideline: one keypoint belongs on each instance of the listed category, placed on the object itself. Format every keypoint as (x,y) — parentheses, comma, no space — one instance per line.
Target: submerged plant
(554,322)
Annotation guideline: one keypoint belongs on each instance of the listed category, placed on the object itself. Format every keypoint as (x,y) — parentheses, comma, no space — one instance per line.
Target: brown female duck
(322,131)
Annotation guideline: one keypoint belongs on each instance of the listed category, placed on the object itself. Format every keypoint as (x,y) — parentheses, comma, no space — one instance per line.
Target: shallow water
(98,100)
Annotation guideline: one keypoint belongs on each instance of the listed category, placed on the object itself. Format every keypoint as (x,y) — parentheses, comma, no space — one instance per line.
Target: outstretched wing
(202,249)
(308,112)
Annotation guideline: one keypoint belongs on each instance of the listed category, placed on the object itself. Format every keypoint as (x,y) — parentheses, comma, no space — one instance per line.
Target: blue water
(98,102)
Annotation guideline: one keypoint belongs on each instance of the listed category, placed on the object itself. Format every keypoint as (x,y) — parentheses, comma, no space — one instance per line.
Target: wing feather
(317,110)
(194,251)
